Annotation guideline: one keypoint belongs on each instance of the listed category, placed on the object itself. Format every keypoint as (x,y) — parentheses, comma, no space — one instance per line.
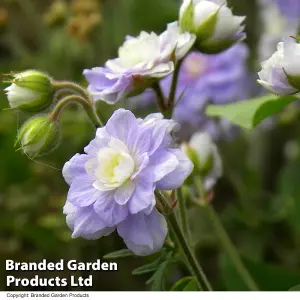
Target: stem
(230,249)
(182,243)
(90,109)
(225,240)
(160,98)
(58,85)
(187,252)
(183,213)
(174,85)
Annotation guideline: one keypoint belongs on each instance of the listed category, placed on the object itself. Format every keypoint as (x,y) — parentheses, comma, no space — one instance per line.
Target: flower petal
(144,234)
(176,178)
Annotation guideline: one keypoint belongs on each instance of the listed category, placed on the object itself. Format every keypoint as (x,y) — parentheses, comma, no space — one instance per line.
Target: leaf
(149,268)
(251,112)
(119,254)
(191,286)
(295,288)
(157,279)
(268,277)
(188,283)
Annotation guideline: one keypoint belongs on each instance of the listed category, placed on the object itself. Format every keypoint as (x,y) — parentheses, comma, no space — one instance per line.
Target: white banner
(150,295)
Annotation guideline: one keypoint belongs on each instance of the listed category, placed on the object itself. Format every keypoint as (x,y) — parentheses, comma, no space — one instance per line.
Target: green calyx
(33,80)
(293,80)
(206,28)
(186,22)
(38,136)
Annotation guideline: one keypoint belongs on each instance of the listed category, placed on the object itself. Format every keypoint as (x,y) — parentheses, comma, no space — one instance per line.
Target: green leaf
(119,254)
(268,277)
(149,268)
(191,286)
(295,288)
(251,112)
(188,283)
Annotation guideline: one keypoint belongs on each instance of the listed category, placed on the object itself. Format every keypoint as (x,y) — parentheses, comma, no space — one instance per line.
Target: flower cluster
(112,185)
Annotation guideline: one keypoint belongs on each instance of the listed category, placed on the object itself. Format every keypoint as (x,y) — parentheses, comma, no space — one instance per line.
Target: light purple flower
(112,185)
(142,60)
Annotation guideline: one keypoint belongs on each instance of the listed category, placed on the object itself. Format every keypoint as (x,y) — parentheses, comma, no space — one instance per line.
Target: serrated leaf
(250,113)
(295,288)
(119,254)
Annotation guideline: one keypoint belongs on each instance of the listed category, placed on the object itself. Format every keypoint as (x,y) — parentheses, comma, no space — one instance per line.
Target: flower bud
(205,156)
(38,136)
(30,90)
(280,74)
(213,23)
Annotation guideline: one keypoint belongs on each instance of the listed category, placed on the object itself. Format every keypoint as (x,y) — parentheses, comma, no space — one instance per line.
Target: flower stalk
(173,88)
(182,243)
(87,106)
(224,238)
(71,86)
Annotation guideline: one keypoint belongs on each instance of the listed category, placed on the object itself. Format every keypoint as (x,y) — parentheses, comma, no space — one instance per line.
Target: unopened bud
(213,23)
(204,154)
(30,90)
(38,136)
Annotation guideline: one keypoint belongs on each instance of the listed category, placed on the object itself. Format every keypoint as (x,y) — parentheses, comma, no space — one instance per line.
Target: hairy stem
(183,213)
(182,243)
(59,85)
(88,107)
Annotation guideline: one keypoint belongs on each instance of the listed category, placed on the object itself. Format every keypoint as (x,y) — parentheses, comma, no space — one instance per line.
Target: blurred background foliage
(258,198)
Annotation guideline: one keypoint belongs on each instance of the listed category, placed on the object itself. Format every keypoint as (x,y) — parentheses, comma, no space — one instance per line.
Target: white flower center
(138,50)
(112,166)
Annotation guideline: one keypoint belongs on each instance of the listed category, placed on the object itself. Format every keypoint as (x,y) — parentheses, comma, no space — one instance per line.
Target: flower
(280,74)
(219,79)
(213,23)
(30,90)
(205,157)
(112,185)
(38,136)
(142,60)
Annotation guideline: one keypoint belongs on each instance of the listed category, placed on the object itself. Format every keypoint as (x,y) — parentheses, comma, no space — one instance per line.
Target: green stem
(88,107)
(59,85)
(230,249)
(160,98)
(225,240)
(193,265)
(173,89)
(182,243)
(183,213)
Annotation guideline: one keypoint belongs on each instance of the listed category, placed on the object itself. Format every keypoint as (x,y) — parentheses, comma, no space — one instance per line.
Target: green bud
(30,90)
(38,136)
